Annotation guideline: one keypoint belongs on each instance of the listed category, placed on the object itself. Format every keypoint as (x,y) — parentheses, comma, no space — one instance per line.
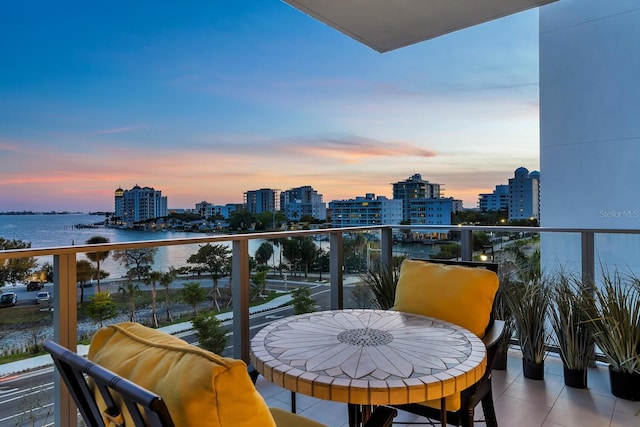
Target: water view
(60,230)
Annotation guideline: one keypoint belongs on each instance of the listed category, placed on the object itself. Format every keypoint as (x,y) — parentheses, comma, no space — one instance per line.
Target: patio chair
(462,293)
(140,376)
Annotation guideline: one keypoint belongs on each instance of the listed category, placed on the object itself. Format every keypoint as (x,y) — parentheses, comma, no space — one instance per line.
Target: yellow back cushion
(199,388)
(460,295)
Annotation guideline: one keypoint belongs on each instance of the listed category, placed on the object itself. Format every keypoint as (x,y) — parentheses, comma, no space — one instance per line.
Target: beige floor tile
(581,408)
(511,411)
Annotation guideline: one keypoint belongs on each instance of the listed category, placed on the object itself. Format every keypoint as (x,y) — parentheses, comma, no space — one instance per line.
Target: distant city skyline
(205,101)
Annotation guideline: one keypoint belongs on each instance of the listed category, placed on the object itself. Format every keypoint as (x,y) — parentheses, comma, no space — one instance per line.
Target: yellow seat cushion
(199,388)
(457,294)
(287,419)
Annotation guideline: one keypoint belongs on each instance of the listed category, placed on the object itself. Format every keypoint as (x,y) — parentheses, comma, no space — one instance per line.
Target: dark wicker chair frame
(147,409)
(481,391)
(75,370)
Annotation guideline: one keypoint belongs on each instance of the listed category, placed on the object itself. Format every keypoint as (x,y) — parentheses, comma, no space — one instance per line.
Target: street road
(27,399)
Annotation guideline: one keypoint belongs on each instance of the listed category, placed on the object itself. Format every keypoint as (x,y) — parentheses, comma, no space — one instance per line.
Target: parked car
(8,299)
(43,297)
(34,286)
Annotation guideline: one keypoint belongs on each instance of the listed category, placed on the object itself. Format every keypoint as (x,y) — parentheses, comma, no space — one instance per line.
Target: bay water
(50,230)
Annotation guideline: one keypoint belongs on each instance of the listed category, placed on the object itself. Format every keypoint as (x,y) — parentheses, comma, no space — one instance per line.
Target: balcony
(519,401)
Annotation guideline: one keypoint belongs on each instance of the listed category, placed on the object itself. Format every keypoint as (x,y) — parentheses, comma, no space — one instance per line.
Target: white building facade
(139,204)
(590,127)
(302,201)
(498,200)
(367,210)
(524,195)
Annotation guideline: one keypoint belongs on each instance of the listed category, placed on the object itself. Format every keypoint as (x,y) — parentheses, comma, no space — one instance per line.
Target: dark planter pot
(624,385)
(533,370)
(576,378)
(500,361)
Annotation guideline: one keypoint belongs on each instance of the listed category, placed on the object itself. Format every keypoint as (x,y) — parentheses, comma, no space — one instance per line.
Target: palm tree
(151,280)
(130,290)
(97,257)
(165,280)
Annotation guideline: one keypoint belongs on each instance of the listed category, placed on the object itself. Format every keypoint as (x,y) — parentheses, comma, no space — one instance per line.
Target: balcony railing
(65,285)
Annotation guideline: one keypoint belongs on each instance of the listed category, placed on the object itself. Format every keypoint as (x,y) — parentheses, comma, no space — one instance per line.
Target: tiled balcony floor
(519,402)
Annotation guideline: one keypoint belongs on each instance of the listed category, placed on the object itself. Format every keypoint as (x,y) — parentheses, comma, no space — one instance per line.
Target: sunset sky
(205,100)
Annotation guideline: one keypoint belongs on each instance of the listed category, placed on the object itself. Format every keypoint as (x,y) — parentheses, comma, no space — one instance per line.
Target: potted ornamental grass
(571,301)
(529,305)
(501,311)
(615,321)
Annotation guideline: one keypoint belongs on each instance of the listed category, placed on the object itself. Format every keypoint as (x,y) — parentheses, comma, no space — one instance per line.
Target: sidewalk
(45,360)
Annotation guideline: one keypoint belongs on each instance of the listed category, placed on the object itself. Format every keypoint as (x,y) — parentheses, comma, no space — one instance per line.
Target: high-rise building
(412,188)
(139,204)
(301,201)
(498,200)
(260,201)
(524,195)
(208,210)
(367,210)
(430,211)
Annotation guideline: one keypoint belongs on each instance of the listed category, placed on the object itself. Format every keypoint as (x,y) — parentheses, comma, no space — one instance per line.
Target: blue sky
(205,100)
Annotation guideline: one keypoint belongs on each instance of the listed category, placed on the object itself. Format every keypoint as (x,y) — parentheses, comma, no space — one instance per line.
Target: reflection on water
(45,231)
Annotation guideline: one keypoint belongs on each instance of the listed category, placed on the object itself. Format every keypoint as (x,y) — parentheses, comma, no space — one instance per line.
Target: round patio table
(369,357)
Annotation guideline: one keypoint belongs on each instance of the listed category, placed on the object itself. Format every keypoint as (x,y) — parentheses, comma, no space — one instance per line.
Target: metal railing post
(386,248)
(336,268)
(65,321)
(466,250)
(240,288)
(587,245)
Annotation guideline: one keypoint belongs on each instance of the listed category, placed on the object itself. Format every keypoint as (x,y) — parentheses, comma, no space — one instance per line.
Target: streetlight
(484,256)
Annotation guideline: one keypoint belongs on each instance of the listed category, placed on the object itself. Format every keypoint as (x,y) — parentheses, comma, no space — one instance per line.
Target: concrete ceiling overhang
(385,25)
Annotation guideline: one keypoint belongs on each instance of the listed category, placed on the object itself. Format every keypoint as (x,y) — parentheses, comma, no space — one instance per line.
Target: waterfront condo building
(208,210)
(498,200)
(414,188)
(301,201)
(524,195)
(260,201)
(139,204)
(368,210)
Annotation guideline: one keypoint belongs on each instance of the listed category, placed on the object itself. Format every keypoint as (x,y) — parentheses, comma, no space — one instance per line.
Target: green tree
(140,260)
(98,257)
(47,270)
(264,252)
(84,272)
(15,269)
(151,280)
(241,220)
(211,334)
(130,290)
(101,307)
(302,301)
(215,260)
(291,250)
(258,285)
(165,280)
(192,294)
(308,253)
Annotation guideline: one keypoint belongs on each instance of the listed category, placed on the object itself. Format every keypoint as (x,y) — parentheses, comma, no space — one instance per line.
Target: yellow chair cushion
(460,295)
(199,388)
(457,294)
(287,419)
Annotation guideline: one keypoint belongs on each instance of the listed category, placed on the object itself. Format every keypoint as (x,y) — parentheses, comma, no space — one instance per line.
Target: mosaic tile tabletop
(369,357)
